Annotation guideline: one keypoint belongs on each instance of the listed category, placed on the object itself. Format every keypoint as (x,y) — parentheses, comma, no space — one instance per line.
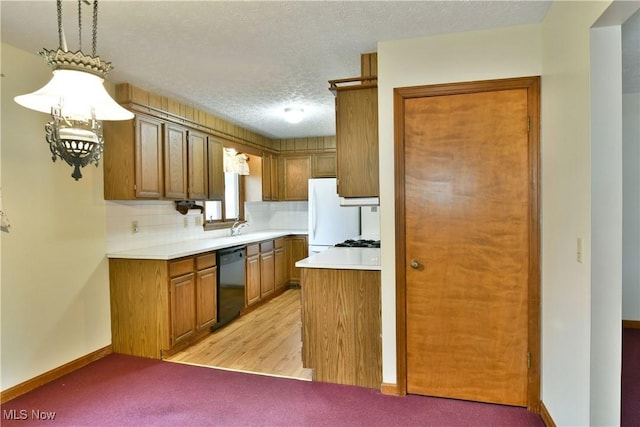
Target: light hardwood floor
(266,341)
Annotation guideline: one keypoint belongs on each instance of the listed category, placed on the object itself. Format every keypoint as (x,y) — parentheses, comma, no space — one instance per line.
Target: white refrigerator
(329,223)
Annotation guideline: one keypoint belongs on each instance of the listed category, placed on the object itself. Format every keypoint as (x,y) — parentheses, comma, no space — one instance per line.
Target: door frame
(532,85)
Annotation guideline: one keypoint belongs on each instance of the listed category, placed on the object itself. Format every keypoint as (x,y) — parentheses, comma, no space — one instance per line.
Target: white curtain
(235,162)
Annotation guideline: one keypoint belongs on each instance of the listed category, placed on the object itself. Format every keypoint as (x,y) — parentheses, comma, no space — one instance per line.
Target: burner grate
(361,243)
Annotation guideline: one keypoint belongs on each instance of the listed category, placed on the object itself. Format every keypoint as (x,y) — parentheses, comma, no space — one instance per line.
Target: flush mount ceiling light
(76,99)
(293,114)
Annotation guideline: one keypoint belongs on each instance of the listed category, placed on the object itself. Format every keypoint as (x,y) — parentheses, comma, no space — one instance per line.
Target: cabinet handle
(415,264)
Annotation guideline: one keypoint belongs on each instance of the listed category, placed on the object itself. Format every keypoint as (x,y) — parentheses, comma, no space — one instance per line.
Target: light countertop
(193,247)
(344,259)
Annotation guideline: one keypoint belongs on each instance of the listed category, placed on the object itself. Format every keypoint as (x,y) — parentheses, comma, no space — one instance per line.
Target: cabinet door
(252,279)
(206,304)
(296,173)
(267,273)
(148,158)
(197,166)
(175,162)
(357,142)
(183,308)
(280,266)
(215,169)
(324,165)
(270,190)
(297,249)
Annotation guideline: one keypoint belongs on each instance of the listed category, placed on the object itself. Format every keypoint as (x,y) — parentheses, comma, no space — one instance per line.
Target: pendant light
(76,99)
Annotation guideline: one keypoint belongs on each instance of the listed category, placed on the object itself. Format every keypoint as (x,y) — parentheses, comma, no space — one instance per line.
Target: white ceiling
(245,61)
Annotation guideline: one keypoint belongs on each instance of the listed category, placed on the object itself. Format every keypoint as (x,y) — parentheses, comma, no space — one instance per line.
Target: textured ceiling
(246,61)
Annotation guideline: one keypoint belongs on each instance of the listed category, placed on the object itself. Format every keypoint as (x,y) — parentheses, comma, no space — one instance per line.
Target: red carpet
(130,391)
(630,411)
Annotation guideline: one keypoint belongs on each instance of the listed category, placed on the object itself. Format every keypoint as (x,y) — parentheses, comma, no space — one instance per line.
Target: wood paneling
(341,326)
(141,101)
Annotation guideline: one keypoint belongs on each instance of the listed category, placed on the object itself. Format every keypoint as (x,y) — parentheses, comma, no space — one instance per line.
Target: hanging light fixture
(76,99)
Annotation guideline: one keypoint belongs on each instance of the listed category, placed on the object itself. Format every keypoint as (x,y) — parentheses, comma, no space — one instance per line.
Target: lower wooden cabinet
(206,291)
(281,275)
(297,249)
(267,269)
(182,301)
(159,307)
(252,275)
(349,333)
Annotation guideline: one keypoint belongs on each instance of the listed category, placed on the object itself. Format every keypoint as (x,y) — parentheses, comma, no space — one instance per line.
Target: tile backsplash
(159,223)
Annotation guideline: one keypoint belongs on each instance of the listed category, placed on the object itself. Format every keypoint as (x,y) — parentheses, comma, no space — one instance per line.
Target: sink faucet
(237,226)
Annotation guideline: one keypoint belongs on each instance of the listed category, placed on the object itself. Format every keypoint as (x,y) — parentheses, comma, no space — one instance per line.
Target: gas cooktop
(361,243)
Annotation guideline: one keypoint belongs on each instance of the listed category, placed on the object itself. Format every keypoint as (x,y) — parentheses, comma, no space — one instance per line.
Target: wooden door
(470,251)
(175,162)
(197,166)
(148,142)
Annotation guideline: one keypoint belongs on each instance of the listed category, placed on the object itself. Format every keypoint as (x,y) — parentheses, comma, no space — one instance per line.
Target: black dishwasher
(231,270)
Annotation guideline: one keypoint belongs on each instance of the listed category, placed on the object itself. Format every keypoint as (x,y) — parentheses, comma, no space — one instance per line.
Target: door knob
(415,264)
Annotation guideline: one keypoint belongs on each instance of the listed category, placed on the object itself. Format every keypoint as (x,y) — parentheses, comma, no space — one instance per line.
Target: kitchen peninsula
(341,326)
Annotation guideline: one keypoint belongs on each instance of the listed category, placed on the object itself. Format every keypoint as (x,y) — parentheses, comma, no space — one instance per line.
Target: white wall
(54,283)
(606,225)
(481,55)
(566,211)
(631,206)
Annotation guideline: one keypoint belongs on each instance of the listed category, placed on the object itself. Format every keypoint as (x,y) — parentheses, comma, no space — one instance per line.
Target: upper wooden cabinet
(133,159)
(148,158)
(197,166)
(215,168)
(175,162)
(323,165)
(357,141)
(270,188)
(296,171)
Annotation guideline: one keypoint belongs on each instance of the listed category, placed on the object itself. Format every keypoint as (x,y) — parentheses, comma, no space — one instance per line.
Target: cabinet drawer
(279,242)
(180,267)
(253,249)
(266,246)
(205,261)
